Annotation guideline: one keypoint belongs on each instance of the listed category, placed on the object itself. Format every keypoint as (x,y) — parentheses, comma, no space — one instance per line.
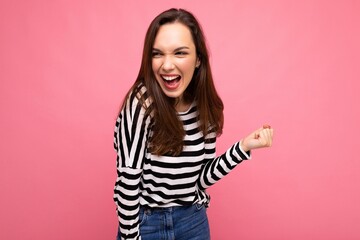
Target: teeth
(170,78)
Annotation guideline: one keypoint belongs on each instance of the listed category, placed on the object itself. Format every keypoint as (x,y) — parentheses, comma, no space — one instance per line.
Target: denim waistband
(148,209)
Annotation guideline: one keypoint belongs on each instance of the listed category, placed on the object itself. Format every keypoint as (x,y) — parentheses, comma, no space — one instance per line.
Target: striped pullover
(144,179)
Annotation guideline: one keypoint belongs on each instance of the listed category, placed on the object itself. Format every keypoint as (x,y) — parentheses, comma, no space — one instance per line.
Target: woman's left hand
(260,138)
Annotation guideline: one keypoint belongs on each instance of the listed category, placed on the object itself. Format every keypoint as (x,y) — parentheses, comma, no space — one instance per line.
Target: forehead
(172,35)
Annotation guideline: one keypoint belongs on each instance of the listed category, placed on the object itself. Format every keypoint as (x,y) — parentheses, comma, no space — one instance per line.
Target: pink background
(66,65)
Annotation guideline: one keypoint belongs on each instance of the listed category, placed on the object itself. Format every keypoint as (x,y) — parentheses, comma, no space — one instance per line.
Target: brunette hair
(167,129)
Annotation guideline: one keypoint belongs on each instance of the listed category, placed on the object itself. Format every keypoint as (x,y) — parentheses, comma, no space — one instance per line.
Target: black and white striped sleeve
(130,135)
(215,168)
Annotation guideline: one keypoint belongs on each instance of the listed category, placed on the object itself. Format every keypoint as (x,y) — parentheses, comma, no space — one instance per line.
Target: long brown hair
(167,129)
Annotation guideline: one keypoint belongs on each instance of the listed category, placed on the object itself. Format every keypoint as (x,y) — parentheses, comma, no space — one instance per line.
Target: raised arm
(216,168)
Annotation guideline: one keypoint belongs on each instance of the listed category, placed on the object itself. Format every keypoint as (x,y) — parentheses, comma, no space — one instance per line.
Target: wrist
(243,147)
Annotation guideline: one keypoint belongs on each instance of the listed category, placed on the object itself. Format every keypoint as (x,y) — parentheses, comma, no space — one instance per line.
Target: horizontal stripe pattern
(163,181)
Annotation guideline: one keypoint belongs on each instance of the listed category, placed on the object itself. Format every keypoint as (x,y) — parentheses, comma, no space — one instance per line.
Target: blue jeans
(174,223)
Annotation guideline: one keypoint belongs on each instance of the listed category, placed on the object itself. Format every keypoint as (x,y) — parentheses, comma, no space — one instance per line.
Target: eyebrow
(175,50)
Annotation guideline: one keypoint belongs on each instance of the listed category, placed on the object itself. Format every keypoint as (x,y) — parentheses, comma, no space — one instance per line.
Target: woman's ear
(197,62)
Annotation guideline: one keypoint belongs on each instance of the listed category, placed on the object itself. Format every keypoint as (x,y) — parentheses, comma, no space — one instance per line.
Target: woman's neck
(181,105)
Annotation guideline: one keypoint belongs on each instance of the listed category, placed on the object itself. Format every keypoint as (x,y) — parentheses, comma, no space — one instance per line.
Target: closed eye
(156,54)
(181,53)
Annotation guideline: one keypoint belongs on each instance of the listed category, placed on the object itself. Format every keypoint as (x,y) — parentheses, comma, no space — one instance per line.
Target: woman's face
(174,59)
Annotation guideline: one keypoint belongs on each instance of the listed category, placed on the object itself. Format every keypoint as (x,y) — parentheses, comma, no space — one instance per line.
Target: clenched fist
(260,138)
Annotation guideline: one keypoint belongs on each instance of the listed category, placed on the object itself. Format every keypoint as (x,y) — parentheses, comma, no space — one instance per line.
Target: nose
(168,64)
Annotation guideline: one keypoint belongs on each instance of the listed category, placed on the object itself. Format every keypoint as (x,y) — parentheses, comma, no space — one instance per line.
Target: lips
(171,81)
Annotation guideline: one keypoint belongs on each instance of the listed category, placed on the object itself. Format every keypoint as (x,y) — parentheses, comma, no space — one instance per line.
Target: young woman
(165,136)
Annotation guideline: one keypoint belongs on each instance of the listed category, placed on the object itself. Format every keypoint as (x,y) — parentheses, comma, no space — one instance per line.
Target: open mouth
(171,81)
